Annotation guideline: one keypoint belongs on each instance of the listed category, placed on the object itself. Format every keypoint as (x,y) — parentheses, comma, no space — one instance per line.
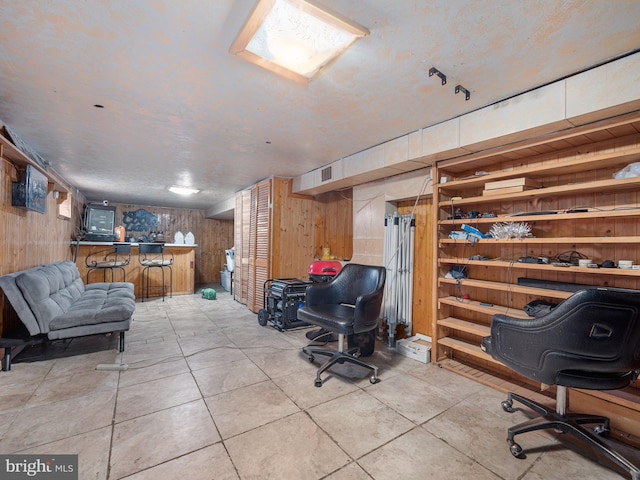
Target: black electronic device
(281,300)
(31,191)
(533,260)
(544,212)
(99,223)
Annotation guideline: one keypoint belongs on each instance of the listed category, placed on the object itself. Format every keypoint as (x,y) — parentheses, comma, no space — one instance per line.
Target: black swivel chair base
(339,357)
(563,422)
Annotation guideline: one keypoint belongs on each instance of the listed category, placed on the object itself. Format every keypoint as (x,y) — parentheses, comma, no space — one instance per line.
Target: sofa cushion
(50,290)
(100,303)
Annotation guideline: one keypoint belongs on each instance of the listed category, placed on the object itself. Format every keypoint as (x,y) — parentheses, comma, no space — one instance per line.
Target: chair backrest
(361,286)
(155,254)
(593,333)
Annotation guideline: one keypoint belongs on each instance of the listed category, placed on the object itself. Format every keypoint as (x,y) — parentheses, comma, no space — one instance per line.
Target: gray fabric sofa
(53,303)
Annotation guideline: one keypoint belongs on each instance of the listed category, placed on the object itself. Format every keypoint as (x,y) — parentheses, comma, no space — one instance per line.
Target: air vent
(326,173)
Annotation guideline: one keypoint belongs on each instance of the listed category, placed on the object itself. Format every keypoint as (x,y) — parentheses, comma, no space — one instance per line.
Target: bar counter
(183,268)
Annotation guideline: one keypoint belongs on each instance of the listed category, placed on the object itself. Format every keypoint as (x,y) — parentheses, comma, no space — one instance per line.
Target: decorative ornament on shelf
(502,231)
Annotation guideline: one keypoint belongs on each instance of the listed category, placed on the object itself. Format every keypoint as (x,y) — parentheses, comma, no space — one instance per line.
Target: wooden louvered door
(260,241)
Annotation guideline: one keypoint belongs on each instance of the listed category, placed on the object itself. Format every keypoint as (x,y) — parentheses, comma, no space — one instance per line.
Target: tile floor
(209,394)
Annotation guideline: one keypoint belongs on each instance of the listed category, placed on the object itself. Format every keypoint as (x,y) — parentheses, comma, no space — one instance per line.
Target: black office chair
(590,341)
(112,258)
(348,305)
(153,255)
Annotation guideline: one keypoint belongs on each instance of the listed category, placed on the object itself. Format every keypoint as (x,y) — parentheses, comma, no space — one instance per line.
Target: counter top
(179,245)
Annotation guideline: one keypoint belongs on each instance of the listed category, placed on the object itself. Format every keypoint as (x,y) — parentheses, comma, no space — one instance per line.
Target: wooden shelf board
(14,155)
(627,212)
(544,241)
(499,382)
(464,326)
(507,287)
(618,272)
(572,165)
(477,307)
(560,190)
(466,347)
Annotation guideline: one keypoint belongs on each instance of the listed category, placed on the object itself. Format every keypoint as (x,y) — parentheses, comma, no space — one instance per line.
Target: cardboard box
(512,182)
(502,191)
(417,347)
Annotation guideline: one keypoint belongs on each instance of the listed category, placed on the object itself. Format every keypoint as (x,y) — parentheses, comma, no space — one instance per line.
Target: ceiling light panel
(294,38)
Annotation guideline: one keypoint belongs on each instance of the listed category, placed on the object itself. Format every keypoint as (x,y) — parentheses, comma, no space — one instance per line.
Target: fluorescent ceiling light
(294,38)
(183,190)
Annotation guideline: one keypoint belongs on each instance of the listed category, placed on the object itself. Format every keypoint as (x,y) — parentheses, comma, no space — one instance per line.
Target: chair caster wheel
(311,358)
(263,317)
(601,430)
(507,406)
(373,379)
(318,383)
(516,450)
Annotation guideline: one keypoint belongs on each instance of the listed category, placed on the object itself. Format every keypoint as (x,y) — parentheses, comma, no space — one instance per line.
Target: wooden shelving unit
(590,214)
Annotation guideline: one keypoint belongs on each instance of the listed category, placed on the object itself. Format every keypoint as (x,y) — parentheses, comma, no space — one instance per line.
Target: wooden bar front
(183,268)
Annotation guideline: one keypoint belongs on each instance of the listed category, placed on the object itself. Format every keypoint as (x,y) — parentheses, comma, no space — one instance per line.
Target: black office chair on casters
(349,305)
(151,256)
(112,258)
(590,341)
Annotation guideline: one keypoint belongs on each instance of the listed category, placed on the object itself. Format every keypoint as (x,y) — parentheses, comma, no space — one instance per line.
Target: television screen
(100,223)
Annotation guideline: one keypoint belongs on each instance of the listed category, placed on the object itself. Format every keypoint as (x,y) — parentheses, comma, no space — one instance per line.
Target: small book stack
(511,185)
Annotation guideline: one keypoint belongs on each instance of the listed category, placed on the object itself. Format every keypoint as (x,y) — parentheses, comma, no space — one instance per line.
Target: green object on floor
(209,293)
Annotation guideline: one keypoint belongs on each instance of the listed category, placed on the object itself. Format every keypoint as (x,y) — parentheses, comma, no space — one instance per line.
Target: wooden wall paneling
(212,236)
(292,246)
(251,257)
(30,238)
(334,224)
(423,261)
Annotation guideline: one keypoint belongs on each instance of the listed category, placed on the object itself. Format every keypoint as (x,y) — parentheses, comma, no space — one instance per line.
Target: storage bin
(225,280)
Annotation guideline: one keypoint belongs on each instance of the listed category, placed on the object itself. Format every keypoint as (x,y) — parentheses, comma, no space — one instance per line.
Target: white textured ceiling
(180,110)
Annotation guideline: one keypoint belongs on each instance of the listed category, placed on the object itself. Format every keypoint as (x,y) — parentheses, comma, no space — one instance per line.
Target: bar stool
(150,256)
(115,258)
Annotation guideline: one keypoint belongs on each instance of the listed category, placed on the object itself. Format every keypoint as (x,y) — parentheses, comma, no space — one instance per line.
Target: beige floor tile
(92,449)
(470,428)
(72,365)
(76,385)
(55,421)
(455,385)
(300,388)
(152,370)
(353,471)
(141,353)
(561,462)
(359,423)
(161,436)
(280,362)
(210,463)
(418,454)
(415,399)
(19,384)
(193,344)
(156,395)
(291,448)
(238,374)
(215,355)
(246,408)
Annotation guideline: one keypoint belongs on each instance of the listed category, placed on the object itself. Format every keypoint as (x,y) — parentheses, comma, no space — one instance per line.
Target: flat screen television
(99,223)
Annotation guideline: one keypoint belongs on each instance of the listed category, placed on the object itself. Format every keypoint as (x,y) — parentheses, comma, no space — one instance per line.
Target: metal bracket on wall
(434,71)
(467,93)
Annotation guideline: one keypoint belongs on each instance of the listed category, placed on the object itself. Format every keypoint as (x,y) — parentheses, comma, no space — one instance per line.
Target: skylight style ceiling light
(294,38)
(183,190)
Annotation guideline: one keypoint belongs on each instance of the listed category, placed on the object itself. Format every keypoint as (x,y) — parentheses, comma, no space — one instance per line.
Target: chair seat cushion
(337,318)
